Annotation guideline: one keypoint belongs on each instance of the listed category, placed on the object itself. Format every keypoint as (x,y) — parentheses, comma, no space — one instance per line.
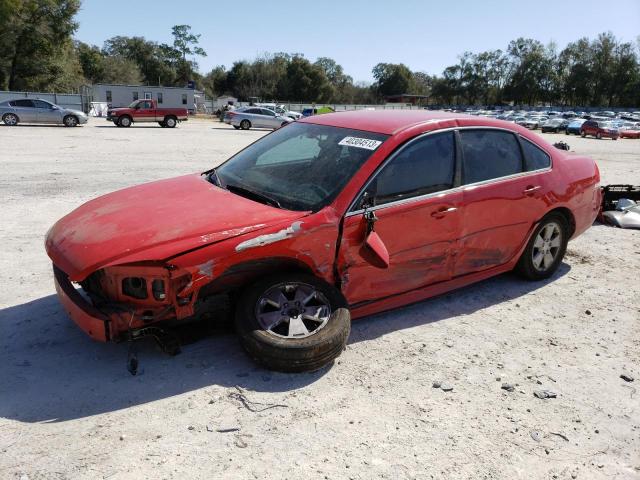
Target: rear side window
(489,154)
(534,157)
(425,166)
(22,103)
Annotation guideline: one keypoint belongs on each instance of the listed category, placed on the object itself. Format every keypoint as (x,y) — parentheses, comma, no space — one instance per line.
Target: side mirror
(55,107)
(373,243)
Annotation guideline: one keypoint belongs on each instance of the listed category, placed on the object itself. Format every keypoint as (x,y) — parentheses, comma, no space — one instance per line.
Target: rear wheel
(245,124)
(10,119)
(236,127)
(125,121)
(162,124)
(545,249)
(170,122)
(292,322)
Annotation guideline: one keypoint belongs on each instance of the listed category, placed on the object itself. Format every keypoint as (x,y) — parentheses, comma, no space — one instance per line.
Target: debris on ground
(536,435)
(250,405)
(626,377)
(508,387)
(544,394)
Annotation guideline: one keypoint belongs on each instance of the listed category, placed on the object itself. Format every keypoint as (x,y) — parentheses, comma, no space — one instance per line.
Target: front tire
(10,119)
(545,249)
(292,322)
(125,121)
(70,121)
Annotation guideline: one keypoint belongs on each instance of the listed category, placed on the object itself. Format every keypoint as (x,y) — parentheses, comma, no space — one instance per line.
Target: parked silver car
(258,117)
(27,110)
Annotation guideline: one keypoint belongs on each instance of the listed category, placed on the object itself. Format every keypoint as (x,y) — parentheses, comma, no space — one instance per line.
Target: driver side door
(416,202)
(46,112)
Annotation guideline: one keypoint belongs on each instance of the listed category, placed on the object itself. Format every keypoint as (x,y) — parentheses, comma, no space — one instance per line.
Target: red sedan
(331,218)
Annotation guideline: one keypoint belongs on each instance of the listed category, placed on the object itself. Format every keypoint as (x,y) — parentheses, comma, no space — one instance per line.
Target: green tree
(34,40)
(393,79)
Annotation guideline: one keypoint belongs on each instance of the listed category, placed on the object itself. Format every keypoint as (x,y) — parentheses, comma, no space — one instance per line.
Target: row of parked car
(599,124)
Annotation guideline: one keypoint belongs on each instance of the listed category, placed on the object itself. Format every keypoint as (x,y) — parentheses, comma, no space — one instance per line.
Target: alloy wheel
(546,246)
(292,310)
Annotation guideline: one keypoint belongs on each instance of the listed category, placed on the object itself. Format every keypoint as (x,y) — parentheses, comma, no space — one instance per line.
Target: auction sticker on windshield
(360,143)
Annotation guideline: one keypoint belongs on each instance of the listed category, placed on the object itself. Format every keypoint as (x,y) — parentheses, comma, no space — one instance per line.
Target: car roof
(387,121)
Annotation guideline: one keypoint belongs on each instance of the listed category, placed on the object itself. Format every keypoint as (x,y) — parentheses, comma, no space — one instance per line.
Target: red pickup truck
(146,111)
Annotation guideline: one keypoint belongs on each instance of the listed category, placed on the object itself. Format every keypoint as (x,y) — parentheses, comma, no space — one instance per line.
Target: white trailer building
(123,95)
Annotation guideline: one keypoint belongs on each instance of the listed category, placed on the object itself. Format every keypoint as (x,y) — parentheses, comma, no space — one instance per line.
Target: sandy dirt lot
(70,410)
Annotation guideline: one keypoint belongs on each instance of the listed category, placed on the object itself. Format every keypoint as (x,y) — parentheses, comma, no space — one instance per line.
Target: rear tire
(294,342)
(170,122)
(245,124)
(162,124)
(236,127)
(10,119)
(124,121)
(546,248)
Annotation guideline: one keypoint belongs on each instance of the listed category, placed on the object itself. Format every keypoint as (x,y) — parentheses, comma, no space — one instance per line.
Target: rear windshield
(302,166)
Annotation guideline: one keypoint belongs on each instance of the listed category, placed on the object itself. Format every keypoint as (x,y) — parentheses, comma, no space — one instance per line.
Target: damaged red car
(331,218)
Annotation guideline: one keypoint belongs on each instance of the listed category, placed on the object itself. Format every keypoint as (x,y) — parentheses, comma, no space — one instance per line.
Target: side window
(23,103)
(159,98)
(270,113)
(424,166)
(489,154)
(534,157)
(145,105)
(41,104)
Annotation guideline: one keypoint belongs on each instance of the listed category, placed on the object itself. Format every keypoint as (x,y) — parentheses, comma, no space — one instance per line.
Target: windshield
(301,166)
(134,103)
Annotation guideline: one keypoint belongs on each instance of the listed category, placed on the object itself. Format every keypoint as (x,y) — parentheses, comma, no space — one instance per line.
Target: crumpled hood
(154,221)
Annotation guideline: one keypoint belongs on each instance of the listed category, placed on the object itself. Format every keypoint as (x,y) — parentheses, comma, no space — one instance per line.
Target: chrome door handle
(442,212)
(531,189)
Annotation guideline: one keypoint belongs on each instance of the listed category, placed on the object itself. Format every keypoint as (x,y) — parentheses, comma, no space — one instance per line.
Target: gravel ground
(69,409)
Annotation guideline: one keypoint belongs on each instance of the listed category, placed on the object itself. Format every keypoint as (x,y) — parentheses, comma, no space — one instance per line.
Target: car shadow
(53,372)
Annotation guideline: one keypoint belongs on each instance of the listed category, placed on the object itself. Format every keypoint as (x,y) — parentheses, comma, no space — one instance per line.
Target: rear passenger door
(25,109)
(503,196)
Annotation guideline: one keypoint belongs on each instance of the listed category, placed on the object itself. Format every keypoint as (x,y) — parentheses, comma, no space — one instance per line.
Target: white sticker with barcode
(360,143)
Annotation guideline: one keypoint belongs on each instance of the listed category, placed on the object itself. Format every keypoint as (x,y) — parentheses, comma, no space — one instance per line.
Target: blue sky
(425,35)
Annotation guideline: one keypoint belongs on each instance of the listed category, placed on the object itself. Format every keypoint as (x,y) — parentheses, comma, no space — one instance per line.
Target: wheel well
(239,276)
(566,213)
(170,116)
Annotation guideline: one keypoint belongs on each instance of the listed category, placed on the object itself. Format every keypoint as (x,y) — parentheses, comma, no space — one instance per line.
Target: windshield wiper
(261,197)
(213,177)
